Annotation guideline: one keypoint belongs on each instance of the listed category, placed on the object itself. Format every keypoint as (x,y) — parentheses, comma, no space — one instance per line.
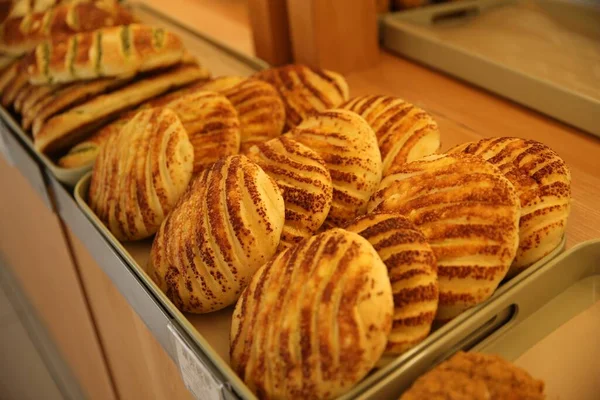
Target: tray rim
(366,383)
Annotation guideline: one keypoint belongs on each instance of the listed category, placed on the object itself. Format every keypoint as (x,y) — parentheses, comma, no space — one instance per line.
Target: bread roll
(543,183)
(227,224)
(469,214)
(64,130)
(141,173)
(349,147)
(313,321)
(476,376)
(305,90)
(410,262)
(223,83)
(108,52)
(404,132)
(20,34)
(305,183)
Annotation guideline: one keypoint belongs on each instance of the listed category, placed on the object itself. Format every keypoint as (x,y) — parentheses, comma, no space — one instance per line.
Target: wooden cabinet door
(141,368)
(33,245)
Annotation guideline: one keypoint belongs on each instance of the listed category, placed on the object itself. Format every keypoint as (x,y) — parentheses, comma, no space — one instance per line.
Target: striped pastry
(67,128)
(404,132)
(304,180)
(476,376)
(314,321)
(469,213)
(227,224)
(140,174)
(349,147)
(412,270)
(18,35)
(108,52)
(543,183)
(305,90)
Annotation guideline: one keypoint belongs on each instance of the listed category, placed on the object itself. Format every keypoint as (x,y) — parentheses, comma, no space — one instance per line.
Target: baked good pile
(332,224)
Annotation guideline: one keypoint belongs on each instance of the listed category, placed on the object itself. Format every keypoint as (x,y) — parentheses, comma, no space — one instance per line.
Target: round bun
(212,124)
(313,321)
(469,214)
(305,90)
(476,376)
(349,147)
(405,133)
(140,173)
(226,225)
(412,271)
(304,180)
(543,183)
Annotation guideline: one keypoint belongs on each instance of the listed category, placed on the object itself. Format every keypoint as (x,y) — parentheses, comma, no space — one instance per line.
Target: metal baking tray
(213,55)
(210,332)
(563,292)
(543,54)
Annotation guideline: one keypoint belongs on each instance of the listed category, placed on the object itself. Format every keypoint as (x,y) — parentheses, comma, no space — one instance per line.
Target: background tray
(543,54)
(210,332)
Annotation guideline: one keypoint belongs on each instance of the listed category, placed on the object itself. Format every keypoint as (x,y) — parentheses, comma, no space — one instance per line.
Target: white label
(196,376)
(4,148)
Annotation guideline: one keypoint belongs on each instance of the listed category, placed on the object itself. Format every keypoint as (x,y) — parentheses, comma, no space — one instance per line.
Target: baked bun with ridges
(140,174)
(222,83)
(404,132)
(305,90)
(543,183)
(349,147)
(476,376)
(314,320)
(469,213)
(107,52)
(305,183)
(226,225)
(412,270)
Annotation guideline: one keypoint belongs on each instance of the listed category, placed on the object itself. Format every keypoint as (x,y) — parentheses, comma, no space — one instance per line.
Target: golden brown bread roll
(349,147)
(67,128)
(226,225)
(20,34)
(304,180)
(313,321)
(543,183)
(404,132)
(410,262)
(469,213)
(141,173)
(476,376)
(305,90)
(107,52)
(223,83)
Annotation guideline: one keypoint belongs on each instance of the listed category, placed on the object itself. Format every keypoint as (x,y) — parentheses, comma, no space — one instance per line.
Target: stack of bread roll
(332,227)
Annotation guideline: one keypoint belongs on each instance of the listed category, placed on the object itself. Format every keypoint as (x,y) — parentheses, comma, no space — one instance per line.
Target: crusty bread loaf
(8,74)
(38,93)
(349,147)
(314,321)
(67,128)
(469,213)
(13,86)
(476,376)
(412,270)
(226,225)
(68,97)
(304,180)
(404,132)
(140,174)
(20,34)
(305,90)
(107,52)
(543,183)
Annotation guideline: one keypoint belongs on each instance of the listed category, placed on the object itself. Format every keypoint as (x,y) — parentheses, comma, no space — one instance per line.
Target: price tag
(3,147)
(196,376)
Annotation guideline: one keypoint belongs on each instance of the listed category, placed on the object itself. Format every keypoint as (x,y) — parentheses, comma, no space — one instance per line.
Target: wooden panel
(141,368)
(271,36)
(336,34)
(33,245)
